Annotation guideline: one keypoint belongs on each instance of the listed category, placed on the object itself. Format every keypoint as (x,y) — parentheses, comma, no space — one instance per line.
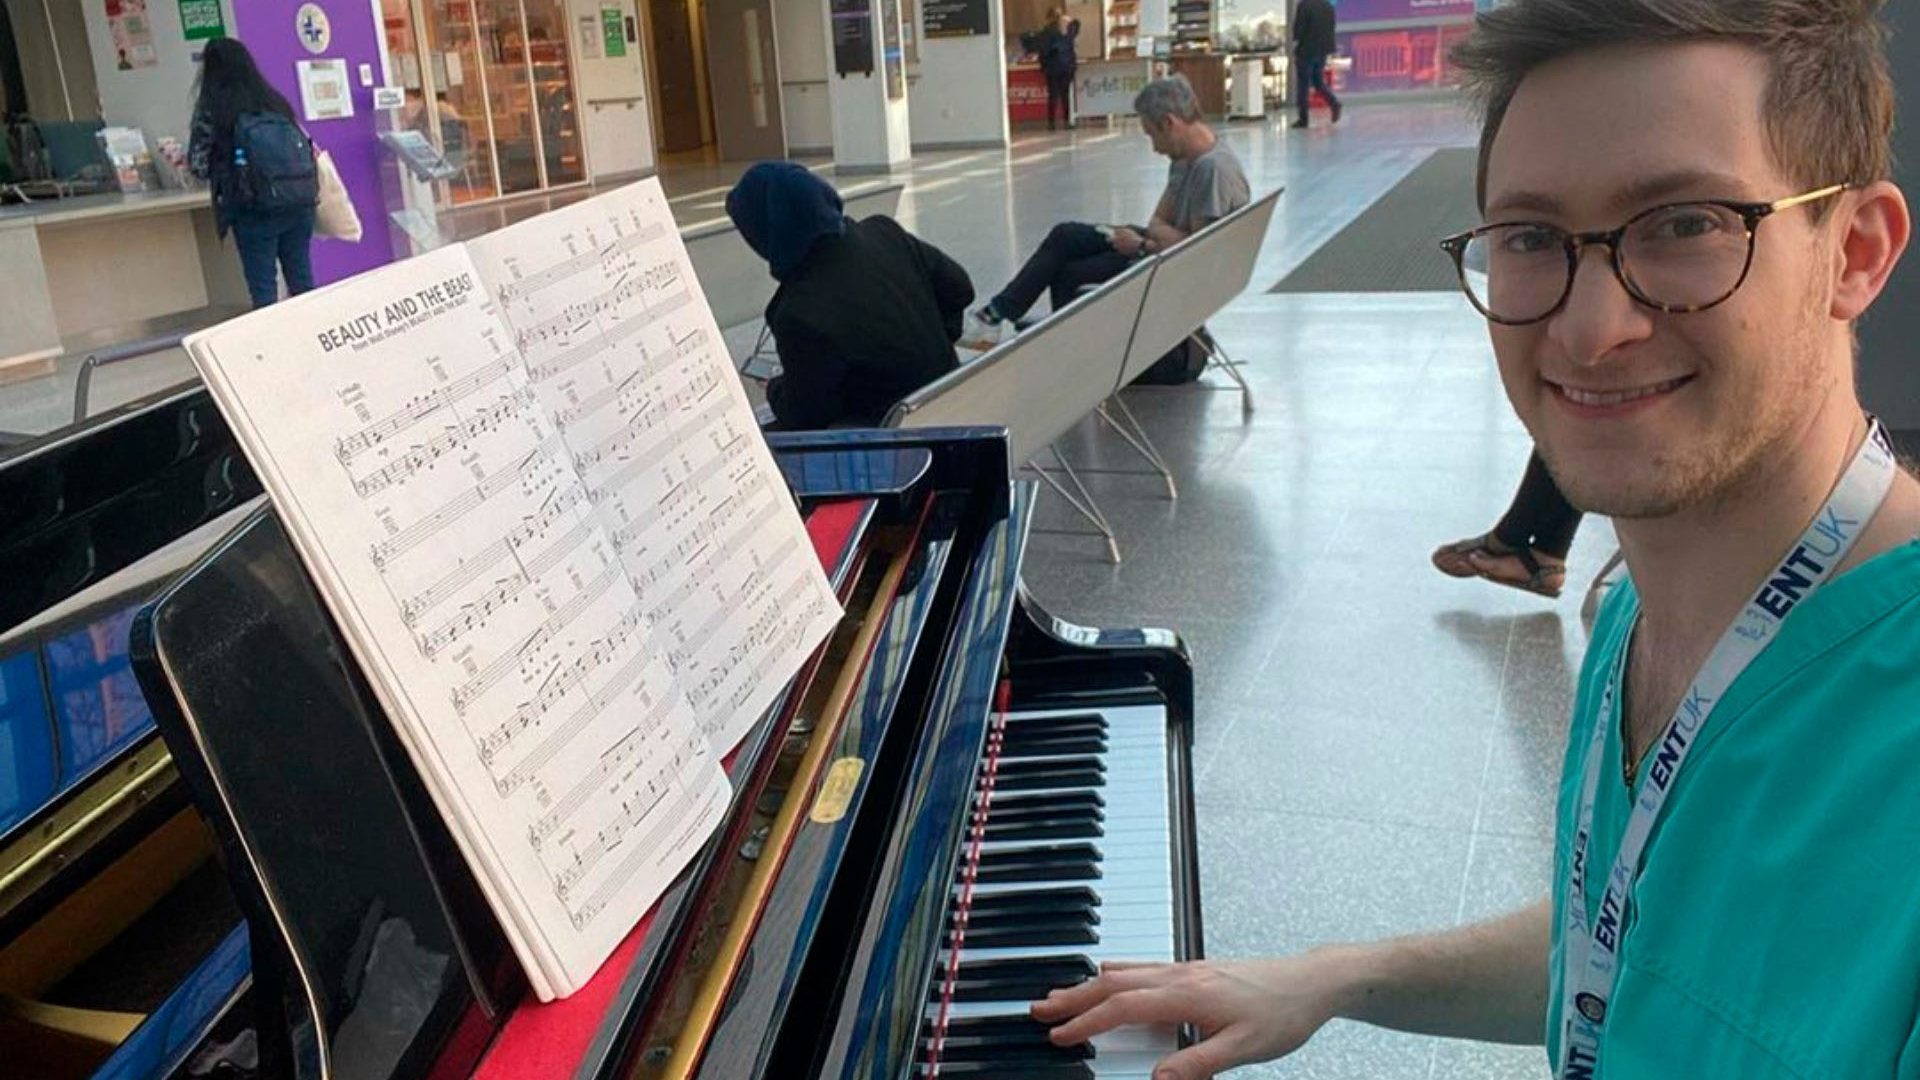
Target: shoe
(1297,125)
(984,331)
(1337,110)
(1049,125)
(1073,125)
(1486,557)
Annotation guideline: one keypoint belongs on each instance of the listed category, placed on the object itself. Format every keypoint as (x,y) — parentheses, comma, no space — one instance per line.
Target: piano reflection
(959,804)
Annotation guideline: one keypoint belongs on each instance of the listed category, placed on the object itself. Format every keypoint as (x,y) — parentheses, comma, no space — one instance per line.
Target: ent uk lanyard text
(1592,954)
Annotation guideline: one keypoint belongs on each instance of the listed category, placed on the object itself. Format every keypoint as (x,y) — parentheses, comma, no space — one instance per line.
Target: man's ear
(1875,226)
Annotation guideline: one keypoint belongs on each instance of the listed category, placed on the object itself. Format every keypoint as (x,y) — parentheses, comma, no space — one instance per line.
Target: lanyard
(1592,953)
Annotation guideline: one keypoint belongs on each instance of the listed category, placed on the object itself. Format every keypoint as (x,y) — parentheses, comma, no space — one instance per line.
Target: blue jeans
(270,240)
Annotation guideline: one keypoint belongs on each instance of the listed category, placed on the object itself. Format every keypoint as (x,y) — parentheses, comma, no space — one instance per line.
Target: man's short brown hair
(1829,98)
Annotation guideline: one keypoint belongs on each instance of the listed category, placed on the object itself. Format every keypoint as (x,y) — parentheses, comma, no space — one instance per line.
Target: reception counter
(75,266)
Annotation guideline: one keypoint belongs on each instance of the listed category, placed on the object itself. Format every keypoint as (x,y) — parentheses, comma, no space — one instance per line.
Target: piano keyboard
(1075,867)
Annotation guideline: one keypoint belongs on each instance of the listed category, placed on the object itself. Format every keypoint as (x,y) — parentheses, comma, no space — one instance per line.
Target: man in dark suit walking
(1312,43)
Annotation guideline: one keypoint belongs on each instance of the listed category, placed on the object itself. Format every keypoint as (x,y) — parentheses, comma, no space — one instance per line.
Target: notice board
(852,36)
(955,18)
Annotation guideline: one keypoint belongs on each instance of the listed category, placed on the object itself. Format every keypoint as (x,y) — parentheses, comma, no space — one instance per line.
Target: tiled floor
(1377,745)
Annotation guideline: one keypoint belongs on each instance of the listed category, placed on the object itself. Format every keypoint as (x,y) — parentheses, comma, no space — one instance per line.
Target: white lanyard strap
(1591,954)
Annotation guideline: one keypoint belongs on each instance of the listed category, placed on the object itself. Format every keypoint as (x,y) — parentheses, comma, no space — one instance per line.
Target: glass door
(556,110)
(460,113)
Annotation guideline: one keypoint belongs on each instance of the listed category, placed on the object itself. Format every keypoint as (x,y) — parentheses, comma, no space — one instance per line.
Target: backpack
(272,165)
(1183,364)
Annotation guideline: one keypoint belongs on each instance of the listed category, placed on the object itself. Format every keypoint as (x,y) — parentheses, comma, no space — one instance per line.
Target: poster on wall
(956,18)
(132,34)
(1352,11)
(325,93)
(852,36)
(200,20)
(589,37)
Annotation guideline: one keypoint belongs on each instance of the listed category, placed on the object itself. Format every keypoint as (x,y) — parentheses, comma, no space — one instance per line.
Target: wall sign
(314,28)
(956,18)
(613,29)
(201,20)
(325,93)
(852,36)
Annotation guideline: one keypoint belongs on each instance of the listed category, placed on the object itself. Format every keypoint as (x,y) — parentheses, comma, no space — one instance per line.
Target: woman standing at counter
(261,166)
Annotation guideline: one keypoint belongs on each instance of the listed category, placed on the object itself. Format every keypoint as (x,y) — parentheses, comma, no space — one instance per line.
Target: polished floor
(1377,745)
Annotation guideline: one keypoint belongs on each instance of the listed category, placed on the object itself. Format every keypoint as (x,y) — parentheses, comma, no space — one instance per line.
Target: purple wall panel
(267,28)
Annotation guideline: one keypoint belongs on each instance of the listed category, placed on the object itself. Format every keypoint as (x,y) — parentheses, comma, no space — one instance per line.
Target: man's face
(1711,398)
(1164,136)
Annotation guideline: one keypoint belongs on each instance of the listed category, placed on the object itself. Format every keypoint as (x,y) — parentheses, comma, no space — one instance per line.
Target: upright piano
(960,803)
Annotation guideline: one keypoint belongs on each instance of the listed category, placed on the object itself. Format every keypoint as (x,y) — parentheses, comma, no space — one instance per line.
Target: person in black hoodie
(1059,62)
(866,312)
(1313,43)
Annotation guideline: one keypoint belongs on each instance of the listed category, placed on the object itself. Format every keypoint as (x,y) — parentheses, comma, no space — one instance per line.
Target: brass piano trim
(98,809)
(704,1015)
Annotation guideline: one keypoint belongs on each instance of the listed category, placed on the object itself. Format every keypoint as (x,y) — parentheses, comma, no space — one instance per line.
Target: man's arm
(806,395)
(952,288)
(1487,981)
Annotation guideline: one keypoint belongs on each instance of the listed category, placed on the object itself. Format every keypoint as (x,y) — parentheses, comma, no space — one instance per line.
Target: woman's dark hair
(231,84)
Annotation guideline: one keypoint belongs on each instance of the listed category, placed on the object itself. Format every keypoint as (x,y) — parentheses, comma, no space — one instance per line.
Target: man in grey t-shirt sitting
(1204,184)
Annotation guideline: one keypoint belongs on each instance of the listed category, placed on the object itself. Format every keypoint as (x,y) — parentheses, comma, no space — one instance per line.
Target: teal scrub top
(1774,930)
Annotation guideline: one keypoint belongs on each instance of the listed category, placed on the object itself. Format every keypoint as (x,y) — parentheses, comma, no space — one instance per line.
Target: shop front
(491,84)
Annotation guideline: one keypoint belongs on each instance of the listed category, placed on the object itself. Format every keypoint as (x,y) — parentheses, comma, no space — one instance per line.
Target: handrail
(113,354)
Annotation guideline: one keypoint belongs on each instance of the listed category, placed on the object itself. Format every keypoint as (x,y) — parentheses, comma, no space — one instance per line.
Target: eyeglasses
(1679,258)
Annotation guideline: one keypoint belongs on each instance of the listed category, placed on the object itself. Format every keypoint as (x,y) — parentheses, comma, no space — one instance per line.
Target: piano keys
(821,931)
(1072,865)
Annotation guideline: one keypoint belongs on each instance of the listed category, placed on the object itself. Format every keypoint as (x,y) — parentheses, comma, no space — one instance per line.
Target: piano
(960,803)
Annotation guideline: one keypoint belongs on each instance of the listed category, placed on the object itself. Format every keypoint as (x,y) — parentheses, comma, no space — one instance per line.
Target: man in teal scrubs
(1688,208)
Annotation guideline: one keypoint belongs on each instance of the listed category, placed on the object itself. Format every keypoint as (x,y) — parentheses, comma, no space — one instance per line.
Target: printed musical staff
(348,447)
(553,274)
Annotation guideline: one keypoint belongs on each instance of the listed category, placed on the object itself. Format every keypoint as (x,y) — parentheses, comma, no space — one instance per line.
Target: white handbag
(334,216)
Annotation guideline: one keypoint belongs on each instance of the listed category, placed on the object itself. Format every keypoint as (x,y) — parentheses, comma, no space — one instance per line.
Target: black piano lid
(80,504)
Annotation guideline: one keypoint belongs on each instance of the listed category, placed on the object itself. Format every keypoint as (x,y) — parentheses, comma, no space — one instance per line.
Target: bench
(1046,380)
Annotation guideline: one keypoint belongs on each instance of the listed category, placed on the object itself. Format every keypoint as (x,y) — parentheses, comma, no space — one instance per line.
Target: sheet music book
(531,491)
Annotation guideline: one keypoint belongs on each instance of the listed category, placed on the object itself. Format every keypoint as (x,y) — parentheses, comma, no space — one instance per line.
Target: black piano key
(1022,768)
(1014,917)
(1013,1054)
(1063,805)
(1013,1028)
(999,1071)
(1063,898)
(1014,937)
(1012,802)
(1044,829)
(1079,777)
(1024,735)
(1027,979)
(1051,748)
(1047,721)
(1026,732)
(1056,862)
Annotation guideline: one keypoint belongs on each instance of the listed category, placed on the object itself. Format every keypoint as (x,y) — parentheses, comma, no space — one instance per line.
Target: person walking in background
(261,167)
(866,312)
(1059,62)
(1313,43)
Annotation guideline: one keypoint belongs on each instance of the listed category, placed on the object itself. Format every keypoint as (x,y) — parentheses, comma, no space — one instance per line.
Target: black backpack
(1183,364)
(271,166)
